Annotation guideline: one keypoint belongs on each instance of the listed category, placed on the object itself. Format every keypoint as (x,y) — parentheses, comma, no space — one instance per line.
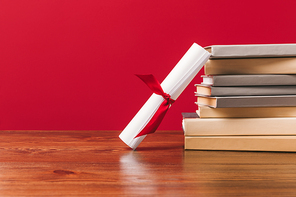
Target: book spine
(239,126)
(246,112)
(246,143)
(251,80)
(251,66)
(252,91)
(248,101)
(256,101)
(248,51)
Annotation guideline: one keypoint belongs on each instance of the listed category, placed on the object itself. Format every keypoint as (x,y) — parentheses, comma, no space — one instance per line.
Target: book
(195,126)
(250,66)
(246,112)
(248,80)
(247,101)
(244,90)
(252,50)
(241,143)
(174,84)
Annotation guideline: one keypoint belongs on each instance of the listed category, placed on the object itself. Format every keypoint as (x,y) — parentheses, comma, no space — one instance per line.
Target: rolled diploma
(174,84)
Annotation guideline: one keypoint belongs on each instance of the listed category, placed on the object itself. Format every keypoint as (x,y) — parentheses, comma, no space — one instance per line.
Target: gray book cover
(245,90)
(247,101)
(252,50)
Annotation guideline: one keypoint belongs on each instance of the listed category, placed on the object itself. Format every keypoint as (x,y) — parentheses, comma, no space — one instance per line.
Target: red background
(71,64)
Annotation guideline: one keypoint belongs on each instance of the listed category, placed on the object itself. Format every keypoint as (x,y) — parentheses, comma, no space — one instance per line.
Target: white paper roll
(174,84)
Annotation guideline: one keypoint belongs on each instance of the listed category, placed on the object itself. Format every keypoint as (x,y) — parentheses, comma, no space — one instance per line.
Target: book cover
(195,126)
(245,112)
(247,101)
(250,66)
(244,90)
(241,143)
(252,50)
(248,80)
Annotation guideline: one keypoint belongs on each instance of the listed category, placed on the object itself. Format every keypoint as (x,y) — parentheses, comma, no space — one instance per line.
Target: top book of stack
(252,50)
(251,59)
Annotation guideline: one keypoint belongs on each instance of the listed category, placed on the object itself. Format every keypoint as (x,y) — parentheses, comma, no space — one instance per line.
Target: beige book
(242,143)
(248,80)
(251,66)
(194,126)
(246,112)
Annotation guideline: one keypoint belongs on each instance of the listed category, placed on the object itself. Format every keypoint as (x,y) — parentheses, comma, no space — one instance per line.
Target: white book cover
(252,50)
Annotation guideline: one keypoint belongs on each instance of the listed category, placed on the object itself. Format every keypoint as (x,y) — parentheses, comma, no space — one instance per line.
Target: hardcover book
(245,112)
(195,126)
(244,90)
(250,66)
(248,80)
(247,101)
(252,50)
(241,143)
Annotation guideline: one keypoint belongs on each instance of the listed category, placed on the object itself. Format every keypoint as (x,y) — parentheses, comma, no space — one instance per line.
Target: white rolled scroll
(174,84)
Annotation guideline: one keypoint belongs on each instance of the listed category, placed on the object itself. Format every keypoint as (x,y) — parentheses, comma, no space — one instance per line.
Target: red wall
(71,64)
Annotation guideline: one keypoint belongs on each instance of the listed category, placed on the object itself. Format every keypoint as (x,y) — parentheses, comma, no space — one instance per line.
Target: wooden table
(97,163)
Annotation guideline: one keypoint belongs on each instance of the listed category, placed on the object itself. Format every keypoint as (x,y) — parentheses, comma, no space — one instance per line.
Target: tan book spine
(238,126)
(251,66)
(249,80)
(239,143)
(246,112)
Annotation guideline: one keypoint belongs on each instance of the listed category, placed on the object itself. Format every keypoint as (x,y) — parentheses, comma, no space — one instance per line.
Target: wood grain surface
(97,163)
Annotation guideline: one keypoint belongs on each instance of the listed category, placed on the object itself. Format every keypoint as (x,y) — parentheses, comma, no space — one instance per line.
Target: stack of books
(247,100)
